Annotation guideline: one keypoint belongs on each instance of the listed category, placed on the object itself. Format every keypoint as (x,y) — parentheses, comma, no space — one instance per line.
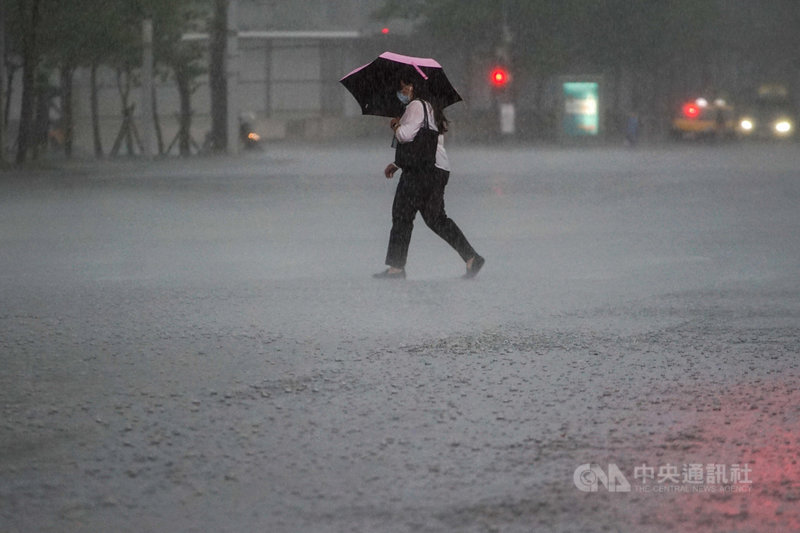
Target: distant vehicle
(770,116)
(701,119)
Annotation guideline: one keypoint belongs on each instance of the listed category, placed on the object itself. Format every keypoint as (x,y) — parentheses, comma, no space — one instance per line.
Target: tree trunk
(66,107)
(124,88)
(98,143)
(2,82)
(157,123)
(10,72)
(30,58)
(40,130)
(217,81)
(185,121)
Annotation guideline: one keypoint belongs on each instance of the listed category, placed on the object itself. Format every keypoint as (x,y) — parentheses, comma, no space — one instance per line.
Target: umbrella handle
(424,76)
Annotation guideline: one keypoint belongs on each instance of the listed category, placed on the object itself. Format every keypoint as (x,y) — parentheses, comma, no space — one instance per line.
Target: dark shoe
(477,264)
(390,275)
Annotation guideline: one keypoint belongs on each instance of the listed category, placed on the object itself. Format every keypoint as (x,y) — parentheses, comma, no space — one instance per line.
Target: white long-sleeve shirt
(411,122)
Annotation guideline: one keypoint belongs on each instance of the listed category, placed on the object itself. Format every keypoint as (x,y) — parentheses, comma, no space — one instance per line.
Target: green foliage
(76,33)
(80,32)
(450,21)
(548,35)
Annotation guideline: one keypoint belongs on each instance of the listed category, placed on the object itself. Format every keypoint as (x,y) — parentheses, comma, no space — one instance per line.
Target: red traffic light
(499,77)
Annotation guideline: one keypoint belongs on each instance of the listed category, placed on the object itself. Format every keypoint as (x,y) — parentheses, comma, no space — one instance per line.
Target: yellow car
(701,119)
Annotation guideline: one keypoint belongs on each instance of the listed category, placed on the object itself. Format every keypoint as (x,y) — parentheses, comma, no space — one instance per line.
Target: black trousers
(422,191)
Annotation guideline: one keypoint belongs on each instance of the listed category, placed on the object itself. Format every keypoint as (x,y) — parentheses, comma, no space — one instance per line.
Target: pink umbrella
(375,84)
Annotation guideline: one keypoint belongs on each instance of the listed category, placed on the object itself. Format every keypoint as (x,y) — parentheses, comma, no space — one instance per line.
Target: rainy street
(200,345)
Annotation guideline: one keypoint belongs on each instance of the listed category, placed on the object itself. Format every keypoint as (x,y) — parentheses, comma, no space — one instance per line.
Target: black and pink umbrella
(375,84)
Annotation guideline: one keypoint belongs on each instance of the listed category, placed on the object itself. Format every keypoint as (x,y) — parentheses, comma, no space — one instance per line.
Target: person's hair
(421,92)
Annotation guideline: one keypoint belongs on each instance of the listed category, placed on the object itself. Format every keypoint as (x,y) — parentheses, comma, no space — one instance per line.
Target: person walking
(422,182)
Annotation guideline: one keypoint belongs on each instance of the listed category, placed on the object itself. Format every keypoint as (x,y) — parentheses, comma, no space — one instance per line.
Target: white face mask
(404,98)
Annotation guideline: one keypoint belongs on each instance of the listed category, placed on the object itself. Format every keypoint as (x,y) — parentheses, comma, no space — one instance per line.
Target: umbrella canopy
(375,84)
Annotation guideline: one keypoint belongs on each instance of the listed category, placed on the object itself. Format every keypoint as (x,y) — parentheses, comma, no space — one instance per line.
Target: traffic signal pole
(501,79)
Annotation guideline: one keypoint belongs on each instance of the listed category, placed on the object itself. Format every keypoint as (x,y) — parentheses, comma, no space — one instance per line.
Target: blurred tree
(659,44)
(787,44)
(171,20)
(766,38)
(182,57)
(63,35)
(79,33)
(2,83)
(170,53)
(551,37)
(218,33)
(25,22)
(539,29)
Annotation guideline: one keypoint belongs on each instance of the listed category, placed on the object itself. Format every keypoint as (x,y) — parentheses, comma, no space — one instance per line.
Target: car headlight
(782,127)
(746,124)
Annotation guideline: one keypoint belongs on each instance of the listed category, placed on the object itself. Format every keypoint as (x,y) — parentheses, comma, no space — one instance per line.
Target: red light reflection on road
(757,425)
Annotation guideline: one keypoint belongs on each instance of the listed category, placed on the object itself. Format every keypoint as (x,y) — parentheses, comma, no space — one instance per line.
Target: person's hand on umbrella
(394,123)
(389,171)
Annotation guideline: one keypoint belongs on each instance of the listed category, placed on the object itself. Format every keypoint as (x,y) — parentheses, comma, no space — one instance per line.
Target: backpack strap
(426,124)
